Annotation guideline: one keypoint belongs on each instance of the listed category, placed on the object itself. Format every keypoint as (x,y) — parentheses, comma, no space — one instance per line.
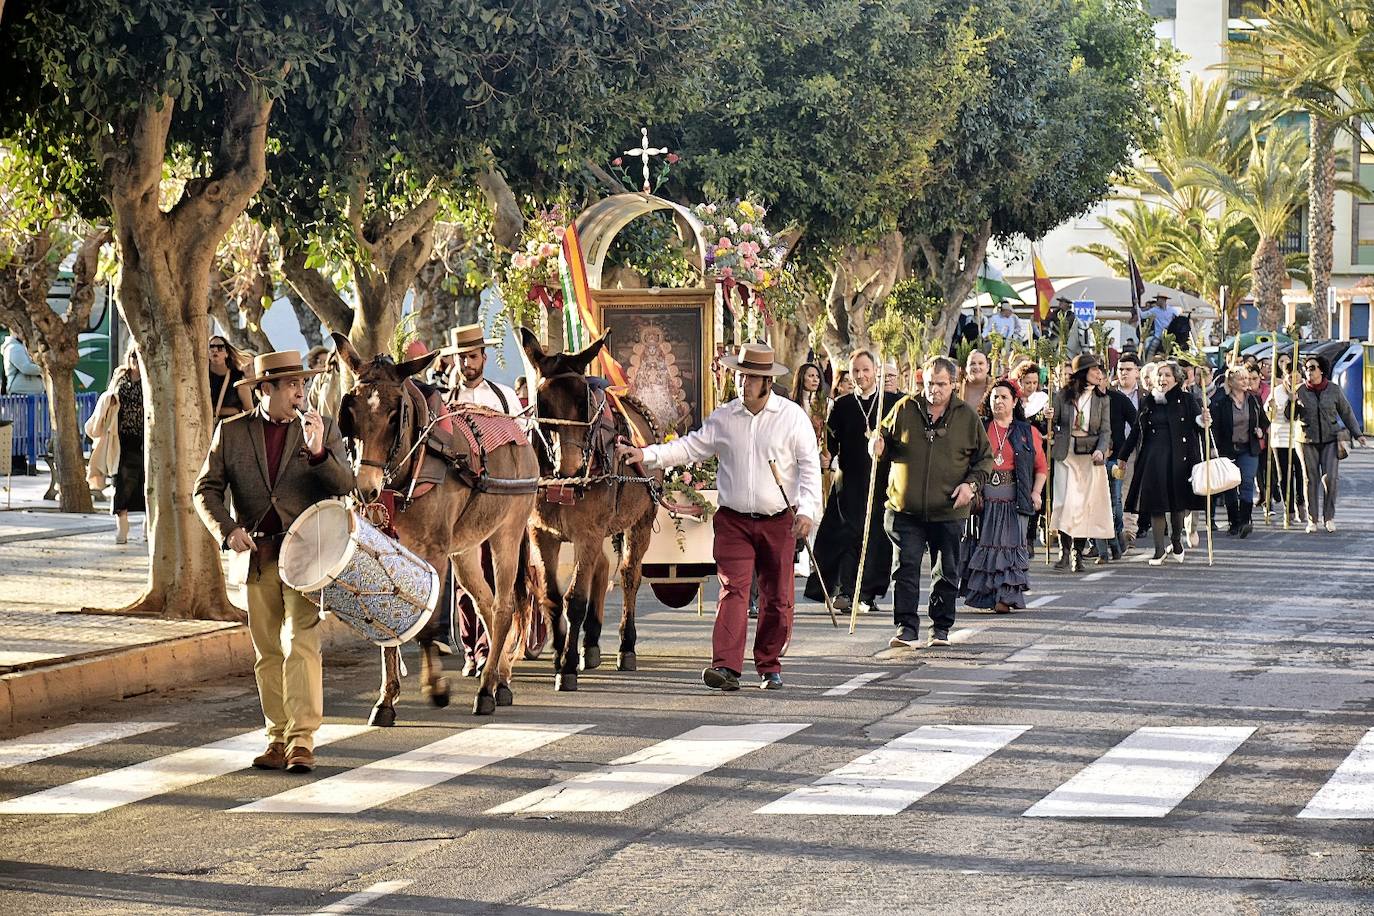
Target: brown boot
(300,760)
(274,758)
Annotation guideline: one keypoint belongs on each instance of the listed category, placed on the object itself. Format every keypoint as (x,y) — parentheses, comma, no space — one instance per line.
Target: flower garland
(532,274)
(741,253)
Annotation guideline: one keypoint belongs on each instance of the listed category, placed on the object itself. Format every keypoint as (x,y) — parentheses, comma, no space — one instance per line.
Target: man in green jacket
(940,459)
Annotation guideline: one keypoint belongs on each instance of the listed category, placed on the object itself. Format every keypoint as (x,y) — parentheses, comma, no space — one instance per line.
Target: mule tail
(530,599)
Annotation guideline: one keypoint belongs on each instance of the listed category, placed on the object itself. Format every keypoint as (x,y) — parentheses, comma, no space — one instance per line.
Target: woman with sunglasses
(227,398)
(1320,405)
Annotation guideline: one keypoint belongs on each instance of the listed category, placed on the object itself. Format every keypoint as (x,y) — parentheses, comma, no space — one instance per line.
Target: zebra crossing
(1147,774)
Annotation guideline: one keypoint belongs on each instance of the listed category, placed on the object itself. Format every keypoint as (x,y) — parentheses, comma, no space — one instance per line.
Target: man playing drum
(277,462)
(467,345)
(757,527)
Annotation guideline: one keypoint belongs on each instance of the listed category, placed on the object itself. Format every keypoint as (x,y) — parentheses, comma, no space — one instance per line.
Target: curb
(37,693)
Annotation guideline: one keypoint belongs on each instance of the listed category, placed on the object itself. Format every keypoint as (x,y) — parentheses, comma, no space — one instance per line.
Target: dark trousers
(837,558)
(472,633)
(747,550)
(913,538)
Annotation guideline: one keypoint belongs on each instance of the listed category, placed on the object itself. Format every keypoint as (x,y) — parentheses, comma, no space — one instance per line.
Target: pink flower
(519,261)
(617,162)
(674,158)
(725,242)
(746,229)
(548,249)
(726,273)
(687,478)
(559,232)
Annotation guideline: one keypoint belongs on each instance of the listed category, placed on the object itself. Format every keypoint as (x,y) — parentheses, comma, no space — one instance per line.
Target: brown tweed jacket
(237,462)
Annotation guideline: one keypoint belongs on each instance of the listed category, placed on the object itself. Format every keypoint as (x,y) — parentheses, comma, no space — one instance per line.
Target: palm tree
(1142,231)
(1210,257)
(1306,58)
(1198,125)
(1269,190)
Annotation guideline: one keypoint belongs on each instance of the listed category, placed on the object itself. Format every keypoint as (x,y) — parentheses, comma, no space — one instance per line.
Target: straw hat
(271,367)
(465,339)
(754,359)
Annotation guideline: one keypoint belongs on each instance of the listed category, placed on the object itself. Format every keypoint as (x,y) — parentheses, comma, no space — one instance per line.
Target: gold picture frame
(668,334)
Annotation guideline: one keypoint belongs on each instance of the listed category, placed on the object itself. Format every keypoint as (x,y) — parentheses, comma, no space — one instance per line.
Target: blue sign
(1085,310)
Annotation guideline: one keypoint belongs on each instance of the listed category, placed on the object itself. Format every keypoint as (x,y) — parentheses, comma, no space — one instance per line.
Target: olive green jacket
(930,460)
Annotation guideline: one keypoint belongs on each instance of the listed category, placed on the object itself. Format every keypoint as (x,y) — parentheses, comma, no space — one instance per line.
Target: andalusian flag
(992,282)
(1044,290)
(579,322)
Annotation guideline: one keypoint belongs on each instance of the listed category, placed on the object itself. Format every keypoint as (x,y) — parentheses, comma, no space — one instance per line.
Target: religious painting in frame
(664,339)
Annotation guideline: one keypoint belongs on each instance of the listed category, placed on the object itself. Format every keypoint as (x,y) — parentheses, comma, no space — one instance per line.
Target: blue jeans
(1244,495)
(1114,488)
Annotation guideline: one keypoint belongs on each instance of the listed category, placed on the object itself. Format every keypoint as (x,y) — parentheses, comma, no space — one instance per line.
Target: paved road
(1177,740)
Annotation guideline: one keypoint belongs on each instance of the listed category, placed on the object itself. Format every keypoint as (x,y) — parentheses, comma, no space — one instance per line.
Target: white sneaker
(1331,526)
(1312,526)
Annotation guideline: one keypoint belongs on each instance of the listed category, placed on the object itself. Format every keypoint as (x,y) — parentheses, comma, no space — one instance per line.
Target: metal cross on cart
(645,152)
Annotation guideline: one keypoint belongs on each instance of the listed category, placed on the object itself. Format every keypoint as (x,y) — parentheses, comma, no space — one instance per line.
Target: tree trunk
(1269,272)
(1321,196)
(952,263)
(74,493)
(309,322)
(860,280)
(164,285)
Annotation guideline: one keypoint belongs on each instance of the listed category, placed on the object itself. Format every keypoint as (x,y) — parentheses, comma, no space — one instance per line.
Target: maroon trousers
(746,547)
(472,633)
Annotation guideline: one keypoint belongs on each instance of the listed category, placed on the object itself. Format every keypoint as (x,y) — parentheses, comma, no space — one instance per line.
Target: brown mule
(586,514)
(449,523)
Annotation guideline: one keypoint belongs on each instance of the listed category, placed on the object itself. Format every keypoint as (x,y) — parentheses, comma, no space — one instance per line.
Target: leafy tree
(830,111)
(1072,92)
(506,93)
(104,94)
(1267,193)
(1300,60)
(36,235)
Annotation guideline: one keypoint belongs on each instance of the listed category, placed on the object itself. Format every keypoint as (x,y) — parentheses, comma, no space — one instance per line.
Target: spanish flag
(1044,290)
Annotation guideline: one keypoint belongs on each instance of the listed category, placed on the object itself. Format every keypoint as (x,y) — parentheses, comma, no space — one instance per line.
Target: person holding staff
(756,530)
(1320,405)
(277,461)
(1082,506)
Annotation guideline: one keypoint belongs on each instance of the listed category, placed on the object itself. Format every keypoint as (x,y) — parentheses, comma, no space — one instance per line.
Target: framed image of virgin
(662,338)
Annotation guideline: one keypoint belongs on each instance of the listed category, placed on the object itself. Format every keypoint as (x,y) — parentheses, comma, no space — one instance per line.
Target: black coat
(1123,414)
(1223,425)
(1170,444)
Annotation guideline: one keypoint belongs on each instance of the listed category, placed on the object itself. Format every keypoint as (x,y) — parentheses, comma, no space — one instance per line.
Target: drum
(369,581)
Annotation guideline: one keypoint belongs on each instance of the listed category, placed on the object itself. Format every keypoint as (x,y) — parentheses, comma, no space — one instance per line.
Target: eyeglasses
(218,347)
(1312,367)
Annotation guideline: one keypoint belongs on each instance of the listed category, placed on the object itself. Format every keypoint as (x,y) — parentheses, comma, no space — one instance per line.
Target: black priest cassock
(841,532)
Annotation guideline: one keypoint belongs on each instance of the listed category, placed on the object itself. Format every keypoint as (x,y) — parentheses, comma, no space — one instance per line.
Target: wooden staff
(806,544)
(868,506)
(1269,465)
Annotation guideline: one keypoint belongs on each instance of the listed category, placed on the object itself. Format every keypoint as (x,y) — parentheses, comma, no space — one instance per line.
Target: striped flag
(580,327)
(1044,290)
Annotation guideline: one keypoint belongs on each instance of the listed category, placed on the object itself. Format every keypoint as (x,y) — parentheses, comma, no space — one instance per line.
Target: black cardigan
(1222,423)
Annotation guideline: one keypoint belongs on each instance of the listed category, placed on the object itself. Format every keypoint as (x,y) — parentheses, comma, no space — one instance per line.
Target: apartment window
(1246,9)
(1362,236)
(1363,241)
(1294,240)
(1164,9)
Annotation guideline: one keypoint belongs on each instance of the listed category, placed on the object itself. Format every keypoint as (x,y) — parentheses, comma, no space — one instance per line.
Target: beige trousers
(285,626)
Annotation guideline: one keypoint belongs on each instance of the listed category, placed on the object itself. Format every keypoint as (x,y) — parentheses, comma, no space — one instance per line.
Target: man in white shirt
(467,345)
(756,527)
(1005,322)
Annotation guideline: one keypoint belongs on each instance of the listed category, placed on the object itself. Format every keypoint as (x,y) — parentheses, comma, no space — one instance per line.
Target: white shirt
(745,442)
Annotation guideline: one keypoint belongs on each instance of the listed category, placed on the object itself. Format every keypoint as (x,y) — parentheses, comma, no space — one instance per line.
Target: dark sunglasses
(218,347)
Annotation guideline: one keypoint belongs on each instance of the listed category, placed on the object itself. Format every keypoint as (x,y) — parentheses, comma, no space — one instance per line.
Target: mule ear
(345,350)
(579,361)
(414,366)
(529,342)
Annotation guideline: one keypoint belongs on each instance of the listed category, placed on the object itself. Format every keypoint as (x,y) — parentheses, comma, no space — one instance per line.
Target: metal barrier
(32,425)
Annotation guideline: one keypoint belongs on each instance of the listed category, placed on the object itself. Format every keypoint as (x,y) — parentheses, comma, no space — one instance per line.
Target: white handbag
(1214,476)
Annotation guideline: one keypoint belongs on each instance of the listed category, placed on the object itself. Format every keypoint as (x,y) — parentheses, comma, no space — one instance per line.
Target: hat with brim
(465,339)
(754,359)
(1064,299)
(1083,362)
(273,367)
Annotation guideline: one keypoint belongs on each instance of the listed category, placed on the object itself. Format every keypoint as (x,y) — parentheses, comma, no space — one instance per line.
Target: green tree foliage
(1072,92)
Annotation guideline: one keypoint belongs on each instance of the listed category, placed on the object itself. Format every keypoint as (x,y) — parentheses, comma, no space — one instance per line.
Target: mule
(386,413)
(580,418)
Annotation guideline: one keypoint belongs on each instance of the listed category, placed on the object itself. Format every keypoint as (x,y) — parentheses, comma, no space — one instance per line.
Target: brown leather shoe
(300,760)
(274,758)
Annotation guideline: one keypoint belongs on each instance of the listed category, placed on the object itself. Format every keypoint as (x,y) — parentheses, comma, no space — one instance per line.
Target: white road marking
(58,741)
(1093,577)
(129,784)
(386,780)
(1349,793)
(1146,775)
(853,684)
(965,634)
(363,898)
(656,769)
(1044,600)
(900,773)
(1124,605)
